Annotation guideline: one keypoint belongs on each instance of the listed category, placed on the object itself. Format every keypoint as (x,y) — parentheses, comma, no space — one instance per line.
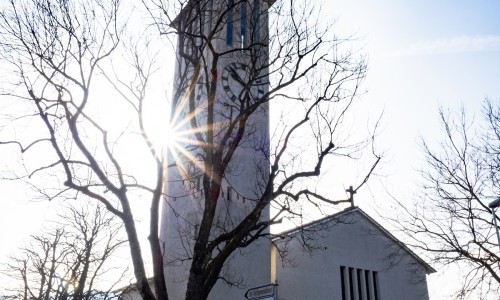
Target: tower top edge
(190,4)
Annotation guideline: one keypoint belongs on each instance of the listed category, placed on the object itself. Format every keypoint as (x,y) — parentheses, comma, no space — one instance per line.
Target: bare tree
(61,50)
(69,260)
(451,220)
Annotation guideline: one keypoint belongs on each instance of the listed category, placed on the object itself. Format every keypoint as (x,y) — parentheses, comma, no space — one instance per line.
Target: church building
(221,82)
(350,256)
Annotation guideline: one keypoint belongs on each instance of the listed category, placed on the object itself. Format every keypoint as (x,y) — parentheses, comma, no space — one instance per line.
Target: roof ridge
(429,269)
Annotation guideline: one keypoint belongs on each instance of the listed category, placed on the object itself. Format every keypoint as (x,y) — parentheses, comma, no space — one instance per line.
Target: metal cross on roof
(351,192)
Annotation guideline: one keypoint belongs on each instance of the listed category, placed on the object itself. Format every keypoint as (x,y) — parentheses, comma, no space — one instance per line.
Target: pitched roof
(377,225)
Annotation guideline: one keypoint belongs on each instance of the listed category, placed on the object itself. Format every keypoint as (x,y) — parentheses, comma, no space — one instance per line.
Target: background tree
(62,57)
(70,260)
(450,219)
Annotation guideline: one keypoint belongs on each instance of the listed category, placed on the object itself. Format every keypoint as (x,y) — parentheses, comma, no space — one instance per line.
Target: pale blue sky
(422,55)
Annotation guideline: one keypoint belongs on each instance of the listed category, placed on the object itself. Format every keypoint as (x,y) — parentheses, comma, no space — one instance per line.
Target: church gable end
(347,256)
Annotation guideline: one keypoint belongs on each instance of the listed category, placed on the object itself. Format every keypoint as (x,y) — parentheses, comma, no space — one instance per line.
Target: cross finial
(351,192)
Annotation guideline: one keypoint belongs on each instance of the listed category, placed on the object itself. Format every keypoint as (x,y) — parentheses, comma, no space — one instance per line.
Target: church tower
(220,166)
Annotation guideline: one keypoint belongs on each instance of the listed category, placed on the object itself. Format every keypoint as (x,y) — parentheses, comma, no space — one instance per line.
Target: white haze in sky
(458,44)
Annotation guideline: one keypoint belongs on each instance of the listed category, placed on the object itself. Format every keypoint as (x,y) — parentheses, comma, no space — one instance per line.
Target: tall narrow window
(189,43)
(359,284)
(243,25)
(198,42)
(351,282)
(229,22)
(255,16)
(367,282)
(375,285)
(342,282)
(229,193)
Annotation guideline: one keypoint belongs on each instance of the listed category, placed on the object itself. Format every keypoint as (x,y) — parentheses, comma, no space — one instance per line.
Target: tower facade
(219,168)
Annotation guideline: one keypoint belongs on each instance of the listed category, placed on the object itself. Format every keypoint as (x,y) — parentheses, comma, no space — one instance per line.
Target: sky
(422,55)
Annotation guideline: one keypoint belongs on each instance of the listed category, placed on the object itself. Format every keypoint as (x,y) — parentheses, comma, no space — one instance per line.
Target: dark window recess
(188,41)
(243,25)
(256,11)
(359,284)
(342,282)
(367,284)
(229,22)
(351,282)
(375,285)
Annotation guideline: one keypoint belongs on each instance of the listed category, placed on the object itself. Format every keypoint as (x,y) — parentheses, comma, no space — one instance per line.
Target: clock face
(238,84)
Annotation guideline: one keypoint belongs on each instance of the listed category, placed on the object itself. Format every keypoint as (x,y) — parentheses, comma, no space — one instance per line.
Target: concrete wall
(355,243)
(316,275)
(245,177)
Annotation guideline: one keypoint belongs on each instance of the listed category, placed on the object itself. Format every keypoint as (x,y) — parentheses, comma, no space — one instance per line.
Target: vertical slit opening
(342,282)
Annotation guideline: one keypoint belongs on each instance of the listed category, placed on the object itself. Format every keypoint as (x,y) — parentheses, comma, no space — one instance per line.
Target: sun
(182,138)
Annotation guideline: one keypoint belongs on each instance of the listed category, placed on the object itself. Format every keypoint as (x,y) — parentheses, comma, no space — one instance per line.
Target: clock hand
(236,76)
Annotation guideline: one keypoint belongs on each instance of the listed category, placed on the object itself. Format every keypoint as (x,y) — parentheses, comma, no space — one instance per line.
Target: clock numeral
(238,73)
